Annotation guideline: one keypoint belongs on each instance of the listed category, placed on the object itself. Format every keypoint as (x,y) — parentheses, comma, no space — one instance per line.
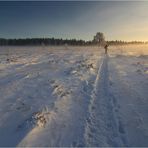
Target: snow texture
(74,96)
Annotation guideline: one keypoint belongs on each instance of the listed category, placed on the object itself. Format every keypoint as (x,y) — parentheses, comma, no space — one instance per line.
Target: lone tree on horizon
(99,38)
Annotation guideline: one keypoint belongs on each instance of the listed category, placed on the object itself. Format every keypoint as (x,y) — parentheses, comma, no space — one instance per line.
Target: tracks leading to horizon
(103,125)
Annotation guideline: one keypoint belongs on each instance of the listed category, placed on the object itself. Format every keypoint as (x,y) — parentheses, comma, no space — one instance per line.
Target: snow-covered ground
(74,96)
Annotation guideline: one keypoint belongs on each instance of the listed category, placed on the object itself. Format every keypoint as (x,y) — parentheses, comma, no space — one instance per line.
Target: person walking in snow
(106,48)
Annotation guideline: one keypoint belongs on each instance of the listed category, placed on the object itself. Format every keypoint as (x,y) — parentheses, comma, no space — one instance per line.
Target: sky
(118,20)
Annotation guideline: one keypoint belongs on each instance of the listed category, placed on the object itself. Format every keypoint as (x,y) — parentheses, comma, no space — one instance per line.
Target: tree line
(54,41)
(41,41)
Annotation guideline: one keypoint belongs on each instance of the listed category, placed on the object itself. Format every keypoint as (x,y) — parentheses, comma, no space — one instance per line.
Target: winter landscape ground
(74,96)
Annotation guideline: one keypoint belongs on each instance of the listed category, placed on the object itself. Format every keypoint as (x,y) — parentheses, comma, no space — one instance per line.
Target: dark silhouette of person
(106,48)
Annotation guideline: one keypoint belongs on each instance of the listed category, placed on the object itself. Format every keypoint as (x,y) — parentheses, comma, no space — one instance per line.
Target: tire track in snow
(103,128)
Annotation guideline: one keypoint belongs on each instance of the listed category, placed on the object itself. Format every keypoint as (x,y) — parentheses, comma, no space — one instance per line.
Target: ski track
(104,127)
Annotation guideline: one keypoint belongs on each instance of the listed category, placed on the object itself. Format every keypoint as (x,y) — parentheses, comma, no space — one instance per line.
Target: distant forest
(54,41)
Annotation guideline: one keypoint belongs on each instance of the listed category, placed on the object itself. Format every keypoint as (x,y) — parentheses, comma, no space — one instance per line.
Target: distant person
(106,48)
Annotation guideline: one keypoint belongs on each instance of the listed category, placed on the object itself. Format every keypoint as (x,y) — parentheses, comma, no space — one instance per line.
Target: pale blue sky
(117,20)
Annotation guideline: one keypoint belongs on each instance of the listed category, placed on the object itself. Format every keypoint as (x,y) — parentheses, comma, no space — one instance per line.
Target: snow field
(73,96)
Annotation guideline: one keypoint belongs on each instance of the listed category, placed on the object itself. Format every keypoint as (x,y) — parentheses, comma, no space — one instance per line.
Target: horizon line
(23,38)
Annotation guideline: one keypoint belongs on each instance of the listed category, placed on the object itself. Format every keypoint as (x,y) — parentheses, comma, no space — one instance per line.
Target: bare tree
(99,38)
